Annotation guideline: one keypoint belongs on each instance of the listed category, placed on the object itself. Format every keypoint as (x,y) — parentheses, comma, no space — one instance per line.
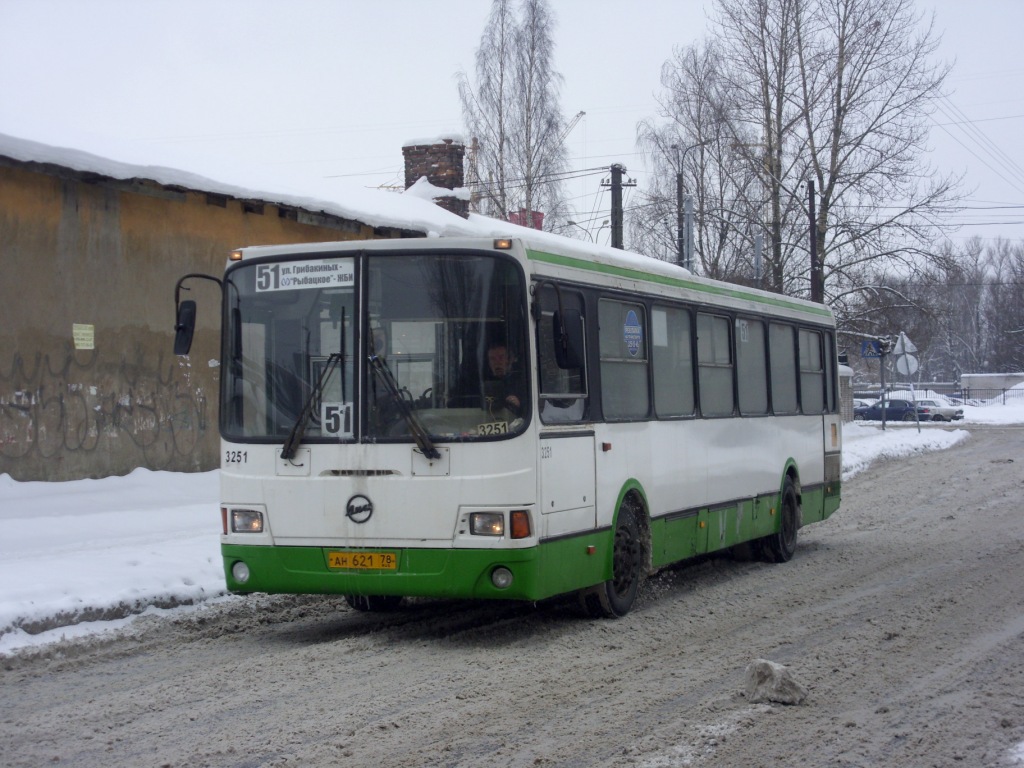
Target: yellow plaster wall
(100,254)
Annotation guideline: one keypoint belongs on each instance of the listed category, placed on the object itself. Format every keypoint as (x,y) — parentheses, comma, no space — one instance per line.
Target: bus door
(566,444)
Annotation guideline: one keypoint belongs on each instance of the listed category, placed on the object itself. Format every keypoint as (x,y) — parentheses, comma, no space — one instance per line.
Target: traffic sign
(907,365)
(904,350)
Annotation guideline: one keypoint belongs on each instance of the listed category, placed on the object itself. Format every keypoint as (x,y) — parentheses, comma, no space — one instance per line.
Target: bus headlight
(246,521)
(487,524)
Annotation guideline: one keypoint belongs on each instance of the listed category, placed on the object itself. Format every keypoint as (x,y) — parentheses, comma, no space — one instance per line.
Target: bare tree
(964,310)
(484,108)
(1005,308)
(868,81)
(831,91)
(692,156)
(513,114)
(761,75)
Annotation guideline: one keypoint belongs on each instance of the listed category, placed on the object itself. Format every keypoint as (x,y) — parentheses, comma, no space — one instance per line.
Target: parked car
(895,410)
(860,405)
(933,410)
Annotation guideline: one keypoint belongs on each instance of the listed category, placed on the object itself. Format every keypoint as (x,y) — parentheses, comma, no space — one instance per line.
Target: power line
(981,141)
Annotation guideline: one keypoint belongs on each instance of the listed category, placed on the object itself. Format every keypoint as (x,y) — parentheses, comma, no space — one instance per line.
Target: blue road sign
(870,348)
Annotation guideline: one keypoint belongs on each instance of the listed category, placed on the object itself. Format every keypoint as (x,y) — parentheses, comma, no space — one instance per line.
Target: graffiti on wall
(141,413)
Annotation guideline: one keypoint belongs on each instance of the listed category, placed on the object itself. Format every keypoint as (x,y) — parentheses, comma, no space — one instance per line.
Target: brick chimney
(441,163)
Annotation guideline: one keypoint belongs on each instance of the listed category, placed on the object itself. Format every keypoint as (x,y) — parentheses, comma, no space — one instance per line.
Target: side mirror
(567,328)
(184,327)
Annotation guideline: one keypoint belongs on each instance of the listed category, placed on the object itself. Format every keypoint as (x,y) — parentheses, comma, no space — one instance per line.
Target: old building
(91,250)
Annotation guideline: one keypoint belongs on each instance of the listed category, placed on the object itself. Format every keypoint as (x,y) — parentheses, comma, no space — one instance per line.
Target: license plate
(363,561)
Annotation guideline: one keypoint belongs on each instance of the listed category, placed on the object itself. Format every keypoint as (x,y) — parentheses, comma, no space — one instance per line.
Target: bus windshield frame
(375,347)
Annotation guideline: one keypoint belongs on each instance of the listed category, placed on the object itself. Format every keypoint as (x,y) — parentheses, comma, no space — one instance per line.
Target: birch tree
(513,116)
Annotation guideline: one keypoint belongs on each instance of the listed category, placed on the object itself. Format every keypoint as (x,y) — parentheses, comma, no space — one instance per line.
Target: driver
(505,383)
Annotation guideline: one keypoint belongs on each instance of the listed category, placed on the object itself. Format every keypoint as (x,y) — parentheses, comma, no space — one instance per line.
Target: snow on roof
(374,207)
(413,210)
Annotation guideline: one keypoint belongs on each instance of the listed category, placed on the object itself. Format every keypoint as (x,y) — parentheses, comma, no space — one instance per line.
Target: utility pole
(817,274)
(680,236)
(616,185)
(688,228)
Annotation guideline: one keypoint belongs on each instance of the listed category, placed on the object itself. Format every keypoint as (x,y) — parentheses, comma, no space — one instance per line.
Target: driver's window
(563,392)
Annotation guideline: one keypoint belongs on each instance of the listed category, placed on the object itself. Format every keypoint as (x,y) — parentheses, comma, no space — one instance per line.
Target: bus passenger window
(830,373)
(623,334)
(783,368)
(672,358)
(812,374)
(714,365)
(751,367)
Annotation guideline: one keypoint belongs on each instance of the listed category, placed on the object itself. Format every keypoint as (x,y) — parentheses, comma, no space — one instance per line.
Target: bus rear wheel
(615,597)
(373,603)
(779,547)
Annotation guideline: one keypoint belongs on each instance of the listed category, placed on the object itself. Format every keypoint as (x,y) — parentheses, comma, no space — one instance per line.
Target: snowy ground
(88,556)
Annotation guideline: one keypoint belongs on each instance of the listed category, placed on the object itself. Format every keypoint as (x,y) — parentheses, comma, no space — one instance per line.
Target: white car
(933,410)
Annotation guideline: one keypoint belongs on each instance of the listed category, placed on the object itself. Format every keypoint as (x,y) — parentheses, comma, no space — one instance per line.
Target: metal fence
(965,395)
(979,396)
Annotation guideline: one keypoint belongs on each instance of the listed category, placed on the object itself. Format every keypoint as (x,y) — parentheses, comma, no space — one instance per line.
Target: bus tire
(614,598)
(373,603)
(779,547)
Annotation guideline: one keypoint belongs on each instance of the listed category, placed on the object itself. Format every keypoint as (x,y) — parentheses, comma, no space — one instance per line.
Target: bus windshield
(375,348)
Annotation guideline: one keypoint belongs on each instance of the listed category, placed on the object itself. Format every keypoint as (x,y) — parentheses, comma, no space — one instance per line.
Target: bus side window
(783,368)
(563,391)
(714,365)
(624,362)
(812,374)
(751,367)
(830,373)
(672,357)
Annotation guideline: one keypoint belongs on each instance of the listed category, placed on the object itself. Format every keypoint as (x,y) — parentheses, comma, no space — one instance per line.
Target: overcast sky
(307,96)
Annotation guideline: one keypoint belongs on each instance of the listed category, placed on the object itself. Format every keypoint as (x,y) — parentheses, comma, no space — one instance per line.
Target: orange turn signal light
(520,524)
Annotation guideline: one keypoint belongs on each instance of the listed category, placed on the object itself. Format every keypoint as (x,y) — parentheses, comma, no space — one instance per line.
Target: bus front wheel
(615,597)
(373,603)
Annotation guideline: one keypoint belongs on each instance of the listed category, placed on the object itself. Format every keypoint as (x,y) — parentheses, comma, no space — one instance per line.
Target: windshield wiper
(291,444)
(419,434)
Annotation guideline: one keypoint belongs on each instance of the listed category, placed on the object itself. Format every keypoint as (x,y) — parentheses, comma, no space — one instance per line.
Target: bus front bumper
(446,573)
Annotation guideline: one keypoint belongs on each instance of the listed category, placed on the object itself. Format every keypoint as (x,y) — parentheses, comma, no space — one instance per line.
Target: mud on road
(903,616)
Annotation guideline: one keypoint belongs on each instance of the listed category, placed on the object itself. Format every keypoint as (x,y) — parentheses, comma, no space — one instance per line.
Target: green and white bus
(509,418)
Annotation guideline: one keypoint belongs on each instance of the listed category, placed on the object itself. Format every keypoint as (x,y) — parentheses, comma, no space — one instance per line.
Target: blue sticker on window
(633,334)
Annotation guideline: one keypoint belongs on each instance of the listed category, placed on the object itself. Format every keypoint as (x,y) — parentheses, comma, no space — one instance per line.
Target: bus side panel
(818,502)
(569,564)
(730,525)
(676,538)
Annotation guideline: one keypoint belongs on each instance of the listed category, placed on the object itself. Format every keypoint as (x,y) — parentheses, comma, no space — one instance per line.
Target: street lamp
(593,239)
(574,224)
